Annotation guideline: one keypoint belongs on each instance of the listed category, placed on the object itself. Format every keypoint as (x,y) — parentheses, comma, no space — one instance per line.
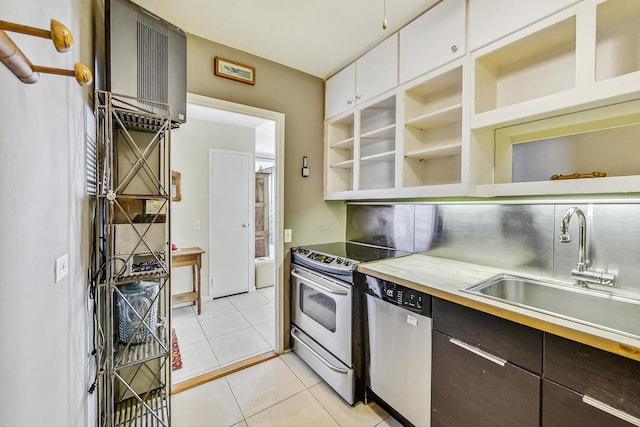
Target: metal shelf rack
(132,261)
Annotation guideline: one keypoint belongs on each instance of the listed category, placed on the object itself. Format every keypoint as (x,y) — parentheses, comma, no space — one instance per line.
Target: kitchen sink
(591,307)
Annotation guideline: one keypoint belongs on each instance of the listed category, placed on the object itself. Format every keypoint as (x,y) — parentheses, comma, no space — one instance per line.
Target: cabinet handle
(454,48)
(483,354)
(349,101)
(611,410)
(358,96)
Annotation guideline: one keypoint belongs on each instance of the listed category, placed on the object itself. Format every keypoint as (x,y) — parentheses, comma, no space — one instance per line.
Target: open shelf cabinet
(360,149)
(340,152)
(377,152)
(596,141)
(617,38)
(537,65)
(433,130)
(560,96)
(131,267)
(560,99)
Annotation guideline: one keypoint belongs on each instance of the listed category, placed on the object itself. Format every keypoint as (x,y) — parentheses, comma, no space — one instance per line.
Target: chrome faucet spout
(582,241)
(582,272)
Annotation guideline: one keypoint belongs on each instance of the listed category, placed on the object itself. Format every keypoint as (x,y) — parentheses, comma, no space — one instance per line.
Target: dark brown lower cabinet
(563,407)
(487,371)
(609,380)
(469,389)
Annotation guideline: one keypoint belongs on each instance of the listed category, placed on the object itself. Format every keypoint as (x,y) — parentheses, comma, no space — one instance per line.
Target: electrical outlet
(196,225)
(61,268)
(287,235)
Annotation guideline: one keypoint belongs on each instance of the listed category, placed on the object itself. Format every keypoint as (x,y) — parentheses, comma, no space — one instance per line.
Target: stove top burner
(341,258)
(358,252)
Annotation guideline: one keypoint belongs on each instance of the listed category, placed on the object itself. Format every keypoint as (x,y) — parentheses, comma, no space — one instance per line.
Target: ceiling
(318,37)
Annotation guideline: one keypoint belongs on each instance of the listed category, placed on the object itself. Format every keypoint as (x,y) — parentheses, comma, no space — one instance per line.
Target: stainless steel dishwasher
(397,335)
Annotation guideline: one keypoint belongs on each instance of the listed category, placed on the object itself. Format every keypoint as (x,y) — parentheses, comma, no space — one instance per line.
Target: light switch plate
(287,235)
(61,268)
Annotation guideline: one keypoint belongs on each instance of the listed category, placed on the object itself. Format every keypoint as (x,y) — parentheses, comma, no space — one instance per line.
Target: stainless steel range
(326,330)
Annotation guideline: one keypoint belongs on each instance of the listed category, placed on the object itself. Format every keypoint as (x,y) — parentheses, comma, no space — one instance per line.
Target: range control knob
(339,260)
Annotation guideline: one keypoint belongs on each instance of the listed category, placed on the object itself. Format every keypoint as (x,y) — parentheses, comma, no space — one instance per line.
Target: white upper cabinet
(490,20)
(372,74)
(377,70)
(340,91)
(435,38)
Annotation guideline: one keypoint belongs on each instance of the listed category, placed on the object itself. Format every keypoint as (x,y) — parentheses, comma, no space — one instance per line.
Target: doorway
(192,216)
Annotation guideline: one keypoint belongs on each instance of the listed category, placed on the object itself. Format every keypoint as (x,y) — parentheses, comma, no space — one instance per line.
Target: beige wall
(300,97)
(190,146)
(45,371)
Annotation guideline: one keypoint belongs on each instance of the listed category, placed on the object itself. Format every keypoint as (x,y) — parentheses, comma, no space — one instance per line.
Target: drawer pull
(317,355)
(611,410)
(479,352)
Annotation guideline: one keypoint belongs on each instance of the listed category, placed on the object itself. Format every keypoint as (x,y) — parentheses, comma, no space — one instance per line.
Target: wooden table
(188,257)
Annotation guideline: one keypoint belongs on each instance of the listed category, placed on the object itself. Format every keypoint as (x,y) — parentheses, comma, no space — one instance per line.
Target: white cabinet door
(377,70)
(435,38)
(340,91)
(489,20)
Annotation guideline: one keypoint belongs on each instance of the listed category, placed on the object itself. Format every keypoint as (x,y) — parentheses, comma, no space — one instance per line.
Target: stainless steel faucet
(582,272)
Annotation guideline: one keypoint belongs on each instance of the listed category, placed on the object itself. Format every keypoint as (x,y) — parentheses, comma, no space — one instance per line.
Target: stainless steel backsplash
(391,226)
(522,237)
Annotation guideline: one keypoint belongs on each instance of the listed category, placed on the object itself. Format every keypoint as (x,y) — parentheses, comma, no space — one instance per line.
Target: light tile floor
(228,330)
(279,392)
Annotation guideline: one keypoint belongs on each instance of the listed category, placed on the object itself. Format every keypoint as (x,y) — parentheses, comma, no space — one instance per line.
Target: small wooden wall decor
(235,71)
(595,174)
(175,186)
(19,64)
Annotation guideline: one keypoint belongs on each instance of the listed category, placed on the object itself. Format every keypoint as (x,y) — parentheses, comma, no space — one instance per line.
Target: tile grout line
(236,400)
(197,318)
(309,389)
(277,403)
(324,407)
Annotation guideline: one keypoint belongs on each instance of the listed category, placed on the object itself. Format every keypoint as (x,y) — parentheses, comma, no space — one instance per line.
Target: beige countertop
(445,278)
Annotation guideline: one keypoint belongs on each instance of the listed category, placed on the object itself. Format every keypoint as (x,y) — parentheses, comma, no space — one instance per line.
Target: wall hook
(59,33)
(19,64)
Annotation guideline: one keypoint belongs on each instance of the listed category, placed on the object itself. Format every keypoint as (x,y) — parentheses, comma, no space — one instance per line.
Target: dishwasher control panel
(406,297)
(401,296)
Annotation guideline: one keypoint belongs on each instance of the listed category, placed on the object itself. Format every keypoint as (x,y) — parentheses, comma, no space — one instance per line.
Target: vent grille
(153,60)
(91,166)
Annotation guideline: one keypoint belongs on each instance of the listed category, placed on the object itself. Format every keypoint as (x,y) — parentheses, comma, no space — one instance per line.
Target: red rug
(176,358)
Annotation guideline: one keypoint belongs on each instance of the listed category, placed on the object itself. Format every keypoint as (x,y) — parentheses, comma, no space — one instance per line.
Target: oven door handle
(318,355)
(319,286)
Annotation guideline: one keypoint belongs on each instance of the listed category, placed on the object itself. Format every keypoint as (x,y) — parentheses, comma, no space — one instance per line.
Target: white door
(231,238)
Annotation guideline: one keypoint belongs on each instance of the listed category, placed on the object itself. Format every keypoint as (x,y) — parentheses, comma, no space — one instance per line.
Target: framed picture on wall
(235,71)
(175,186)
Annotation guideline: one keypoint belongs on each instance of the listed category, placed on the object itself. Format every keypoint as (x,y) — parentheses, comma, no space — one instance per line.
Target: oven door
(322,309)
